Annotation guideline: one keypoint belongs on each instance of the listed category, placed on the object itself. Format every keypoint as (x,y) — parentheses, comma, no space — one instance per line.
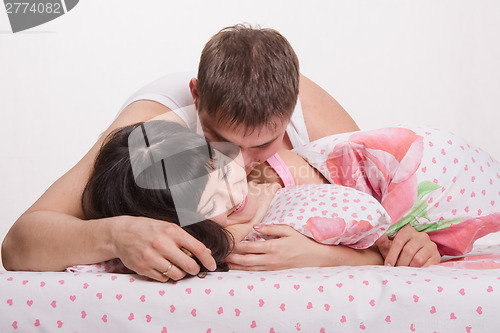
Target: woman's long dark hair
(112,189)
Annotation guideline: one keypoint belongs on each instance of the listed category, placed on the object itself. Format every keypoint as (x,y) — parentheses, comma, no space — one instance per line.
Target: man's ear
(193,86)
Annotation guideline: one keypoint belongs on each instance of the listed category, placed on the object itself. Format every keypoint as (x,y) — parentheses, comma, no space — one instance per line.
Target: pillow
(109,266)
(430,179)
(329,214)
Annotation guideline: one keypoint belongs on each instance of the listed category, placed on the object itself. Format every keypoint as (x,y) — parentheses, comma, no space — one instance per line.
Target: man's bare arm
(52,234)
(322,113)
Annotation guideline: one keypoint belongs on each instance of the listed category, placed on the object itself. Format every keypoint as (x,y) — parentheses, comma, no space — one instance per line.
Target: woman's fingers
(383,245)
(412,248)
(399,253)
(421,257)
(247,268)
(289,250)
(252,262)
(244,260)
(428,255)
(408,253)
(276,230)
(266,246)
(251,247)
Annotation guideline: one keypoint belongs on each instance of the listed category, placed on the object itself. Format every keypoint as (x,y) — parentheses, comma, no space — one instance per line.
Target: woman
(384,163)
(125,181)
(120,186)
(431,180)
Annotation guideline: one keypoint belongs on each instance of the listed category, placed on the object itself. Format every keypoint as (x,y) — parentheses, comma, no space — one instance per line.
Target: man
(249,92)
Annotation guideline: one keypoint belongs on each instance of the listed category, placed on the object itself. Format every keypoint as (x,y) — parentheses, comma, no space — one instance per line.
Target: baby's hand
(409,248)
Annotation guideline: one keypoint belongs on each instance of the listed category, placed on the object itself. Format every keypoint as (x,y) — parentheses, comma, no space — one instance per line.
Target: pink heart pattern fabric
(329,213)
(431,179)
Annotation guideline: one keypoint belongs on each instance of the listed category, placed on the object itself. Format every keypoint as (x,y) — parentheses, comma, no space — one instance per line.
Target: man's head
(248,82)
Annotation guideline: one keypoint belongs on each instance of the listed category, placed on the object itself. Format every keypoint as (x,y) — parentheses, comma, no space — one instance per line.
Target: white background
(388,62)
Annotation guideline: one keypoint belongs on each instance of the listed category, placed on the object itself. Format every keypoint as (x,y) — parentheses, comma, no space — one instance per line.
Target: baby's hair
(112,189)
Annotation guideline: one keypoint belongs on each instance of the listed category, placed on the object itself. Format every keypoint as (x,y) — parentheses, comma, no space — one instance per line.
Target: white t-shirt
(173,92)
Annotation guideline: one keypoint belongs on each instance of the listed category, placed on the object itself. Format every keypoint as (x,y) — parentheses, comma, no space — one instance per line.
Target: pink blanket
(430,179)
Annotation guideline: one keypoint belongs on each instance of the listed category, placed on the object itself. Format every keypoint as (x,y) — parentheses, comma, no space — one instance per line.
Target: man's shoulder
(145,110)
(323,115)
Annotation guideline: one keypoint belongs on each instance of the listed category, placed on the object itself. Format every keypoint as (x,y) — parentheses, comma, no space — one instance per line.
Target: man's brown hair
(248,76)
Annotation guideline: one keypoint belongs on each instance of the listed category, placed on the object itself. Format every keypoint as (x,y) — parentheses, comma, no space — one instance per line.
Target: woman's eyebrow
(211,209)
(220,165)
(220,174)
(205,205)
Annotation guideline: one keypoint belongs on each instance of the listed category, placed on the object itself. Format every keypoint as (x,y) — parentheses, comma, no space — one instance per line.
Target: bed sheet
(334,299)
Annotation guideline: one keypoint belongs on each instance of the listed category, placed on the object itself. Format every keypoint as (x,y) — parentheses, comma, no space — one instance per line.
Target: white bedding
(338,299)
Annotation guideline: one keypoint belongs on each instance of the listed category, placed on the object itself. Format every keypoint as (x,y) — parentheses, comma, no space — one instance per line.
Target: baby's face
(226,189)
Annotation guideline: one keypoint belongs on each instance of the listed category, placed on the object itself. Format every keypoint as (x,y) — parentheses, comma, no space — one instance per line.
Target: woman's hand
(148,247)
(293,250)
(409,248)
(290,250)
